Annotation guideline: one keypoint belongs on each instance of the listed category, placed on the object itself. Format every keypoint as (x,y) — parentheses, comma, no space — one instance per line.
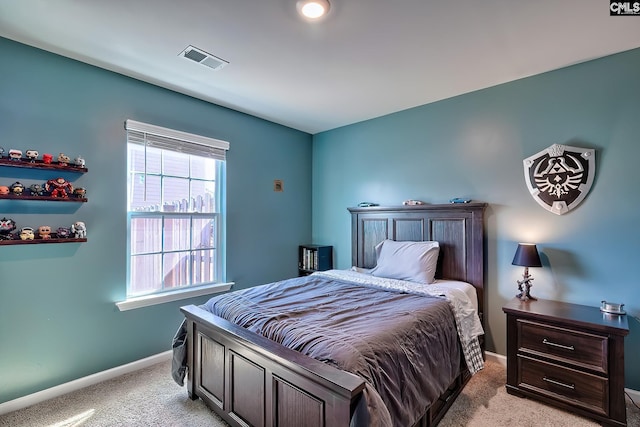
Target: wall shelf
(39,241)
(44,198)
(39,164)
(29,196)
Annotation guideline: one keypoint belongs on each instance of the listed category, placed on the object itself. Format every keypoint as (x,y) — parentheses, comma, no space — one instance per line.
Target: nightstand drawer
(567,385)
(563,345)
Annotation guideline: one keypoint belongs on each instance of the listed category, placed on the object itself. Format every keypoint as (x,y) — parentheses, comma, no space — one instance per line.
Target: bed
(251,380)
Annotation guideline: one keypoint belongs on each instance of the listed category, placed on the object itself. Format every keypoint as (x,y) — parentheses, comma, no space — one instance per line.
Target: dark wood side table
(567,355)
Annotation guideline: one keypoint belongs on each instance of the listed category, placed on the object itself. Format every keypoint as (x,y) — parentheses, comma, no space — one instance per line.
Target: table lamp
(526,256)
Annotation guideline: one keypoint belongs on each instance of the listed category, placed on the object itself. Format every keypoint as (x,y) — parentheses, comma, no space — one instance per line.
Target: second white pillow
(413,261)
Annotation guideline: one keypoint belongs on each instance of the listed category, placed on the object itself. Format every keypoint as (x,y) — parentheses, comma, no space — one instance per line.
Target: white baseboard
(495,357)
(41,396)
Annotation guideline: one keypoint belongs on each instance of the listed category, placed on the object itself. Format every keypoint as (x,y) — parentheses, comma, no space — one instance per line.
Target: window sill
(148,300)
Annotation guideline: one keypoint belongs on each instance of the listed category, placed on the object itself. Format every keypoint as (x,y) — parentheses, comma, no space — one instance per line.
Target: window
(175,210)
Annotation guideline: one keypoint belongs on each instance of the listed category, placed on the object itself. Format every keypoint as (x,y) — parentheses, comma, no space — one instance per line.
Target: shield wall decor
(560,177)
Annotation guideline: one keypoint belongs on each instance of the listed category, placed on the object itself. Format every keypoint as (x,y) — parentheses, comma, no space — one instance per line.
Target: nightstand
(567,355)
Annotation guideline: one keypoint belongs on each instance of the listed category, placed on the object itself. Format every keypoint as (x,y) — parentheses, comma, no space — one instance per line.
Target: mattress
(402,339)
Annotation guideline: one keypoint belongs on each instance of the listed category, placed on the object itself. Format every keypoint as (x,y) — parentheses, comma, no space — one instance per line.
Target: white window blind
(175,210)
(174,140)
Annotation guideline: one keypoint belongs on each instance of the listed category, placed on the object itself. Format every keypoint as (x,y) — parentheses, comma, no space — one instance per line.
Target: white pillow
(413,261)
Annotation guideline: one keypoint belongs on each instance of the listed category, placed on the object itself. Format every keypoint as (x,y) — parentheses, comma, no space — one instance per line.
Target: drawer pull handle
(566,347)
(570,386)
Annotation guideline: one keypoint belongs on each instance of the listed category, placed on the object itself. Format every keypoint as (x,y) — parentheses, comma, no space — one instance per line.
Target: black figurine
(7,225)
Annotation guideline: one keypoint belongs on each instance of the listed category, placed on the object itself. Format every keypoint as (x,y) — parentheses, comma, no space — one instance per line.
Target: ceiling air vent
(204,58)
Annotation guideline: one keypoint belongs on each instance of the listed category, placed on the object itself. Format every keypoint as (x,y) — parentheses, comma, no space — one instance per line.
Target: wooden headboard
(459,228)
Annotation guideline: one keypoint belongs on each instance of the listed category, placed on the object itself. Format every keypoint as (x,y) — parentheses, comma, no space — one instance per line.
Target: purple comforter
(405,346)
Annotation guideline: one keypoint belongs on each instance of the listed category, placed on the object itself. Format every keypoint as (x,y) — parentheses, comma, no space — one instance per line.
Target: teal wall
(58,319)
(473,146)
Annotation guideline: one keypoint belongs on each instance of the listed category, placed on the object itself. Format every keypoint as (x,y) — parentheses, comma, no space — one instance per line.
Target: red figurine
(59,187)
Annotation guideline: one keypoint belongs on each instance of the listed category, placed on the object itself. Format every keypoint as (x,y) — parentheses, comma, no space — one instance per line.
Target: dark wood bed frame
(252,381)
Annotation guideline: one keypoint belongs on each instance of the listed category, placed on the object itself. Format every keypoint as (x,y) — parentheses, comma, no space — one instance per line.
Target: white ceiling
(368,58)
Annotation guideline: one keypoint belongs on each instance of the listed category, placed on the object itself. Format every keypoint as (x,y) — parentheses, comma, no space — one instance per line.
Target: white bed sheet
(465,287)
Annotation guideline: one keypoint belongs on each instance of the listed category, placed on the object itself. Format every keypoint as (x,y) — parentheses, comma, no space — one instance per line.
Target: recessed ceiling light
(313,9)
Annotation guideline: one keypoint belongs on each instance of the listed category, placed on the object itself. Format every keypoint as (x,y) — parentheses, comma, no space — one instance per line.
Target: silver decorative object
(611,308)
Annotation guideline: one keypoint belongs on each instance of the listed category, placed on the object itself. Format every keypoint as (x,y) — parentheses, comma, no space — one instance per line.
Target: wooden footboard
(250,380)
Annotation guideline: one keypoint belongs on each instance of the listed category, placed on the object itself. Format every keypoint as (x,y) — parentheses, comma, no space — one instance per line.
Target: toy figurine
(80,192)
(58,187)
(4,190)
(15,155)
(47,158)
(63,160)
(7,225)
(32,155)
(44,232)
(79,230)
(26,233)
(63,232)
(36,190)
(79,162)
(17,188)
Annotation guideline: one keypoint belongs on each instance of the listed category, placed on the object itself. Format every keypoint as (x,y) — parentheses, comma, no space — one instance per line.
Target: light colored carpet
(149,397)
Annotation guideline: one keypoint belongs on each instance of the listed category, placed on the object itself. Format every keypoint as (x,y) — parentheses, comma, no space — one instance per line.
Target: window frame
(180,142)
